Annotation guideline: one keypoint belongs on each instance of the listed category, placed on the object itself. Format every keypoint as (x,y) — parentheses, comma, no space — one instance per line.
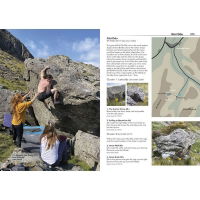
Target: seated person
(45,87)
(53,147)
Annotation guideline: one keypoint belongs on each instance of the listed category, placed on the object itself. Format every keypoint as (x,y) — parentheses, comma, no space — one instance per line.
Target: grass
(194,151)
(11,62)
(144,87)
(144,102)
(168,161)
(13,85)
(157,126)
(15,66)
(6,146)
(189,126)
(76,161)
(116,102)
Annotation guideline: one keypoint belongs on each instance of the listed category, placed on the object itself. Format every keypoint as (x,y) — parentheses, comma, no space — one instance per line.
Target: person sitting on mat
(18,110)
(53,146)
(45,87)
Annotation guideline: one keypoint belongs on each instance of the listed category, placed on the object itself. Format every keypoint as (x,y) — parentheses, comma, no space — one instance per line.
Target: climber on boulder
(45,87)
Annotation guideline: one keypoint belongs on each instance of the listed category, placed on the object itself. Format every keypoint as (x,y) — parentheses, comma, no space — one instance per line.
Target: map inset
(176,76)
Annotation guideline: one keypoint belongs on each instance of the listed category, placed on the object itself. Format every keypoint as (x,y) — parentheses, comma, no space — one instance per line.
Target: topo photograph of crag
(49,100)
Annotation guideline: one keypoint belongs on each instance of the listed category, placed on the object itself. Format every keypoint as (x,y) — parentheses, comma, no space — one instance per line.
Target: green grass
(11,62)
(116,102)
(157,126)
(76,161)
(13,85)
(161,161)
(6,146)
(144,102)
(195,148)
(15,66)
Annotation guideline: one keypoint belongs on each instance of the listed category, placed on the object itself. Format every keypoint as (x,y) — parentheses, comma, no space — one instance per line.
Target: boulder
(116,92)
(130,101)
(79,86)
(5,97)
(177,143)
(87,148)
(135,93)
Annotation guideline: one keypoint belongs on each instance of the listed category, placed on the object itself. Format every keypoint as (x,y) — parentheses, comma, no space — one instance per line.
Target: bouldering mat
(33,130)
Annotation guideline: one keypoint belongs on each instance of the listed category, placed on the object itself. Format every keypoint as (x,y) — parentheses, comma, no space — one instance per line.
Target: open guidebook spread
(50,100)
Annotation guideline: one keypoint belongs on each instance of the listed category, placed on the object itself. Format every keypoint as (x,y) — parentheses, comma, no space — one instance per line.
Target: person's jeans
(17,134)
(61,152)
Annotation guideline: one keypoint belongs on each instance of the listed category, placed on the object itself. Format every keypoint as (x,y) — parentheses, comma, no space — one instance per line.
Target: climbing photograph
(49,100)
(115,94)
(176,143)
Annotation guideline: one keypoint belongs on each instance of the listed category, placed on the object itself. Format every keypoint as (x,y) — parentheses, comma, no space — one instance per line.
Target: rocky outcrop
(87,148)
(79,87)
(5,97)
(116,92)
(176,144)
(134,95)
(13,46)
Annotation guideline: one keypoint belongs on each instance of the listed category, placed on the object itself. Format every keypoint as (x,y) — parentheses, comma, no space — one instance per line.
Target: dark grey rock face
(176,143)
(136,94)
(13,46)
(116,92)
(79,86)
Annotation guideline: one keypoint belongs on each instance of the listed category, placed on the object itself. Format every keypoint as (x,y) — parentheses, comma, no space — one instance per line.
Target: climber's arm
(24,97)
(43,72)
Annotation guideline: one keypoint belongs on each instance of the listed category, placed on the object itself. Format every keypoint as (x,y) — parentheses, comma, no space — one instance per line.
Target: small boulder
(87,148)
(177,143)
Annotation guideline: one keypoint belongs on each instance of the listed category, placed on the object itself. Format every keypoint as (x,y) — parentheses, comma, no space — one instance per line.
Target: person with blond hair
(18,110)
(53,146)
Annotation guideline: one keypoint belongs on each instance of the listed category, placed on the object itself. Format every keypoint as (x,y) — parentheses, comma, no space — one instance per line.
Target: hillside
(12,56)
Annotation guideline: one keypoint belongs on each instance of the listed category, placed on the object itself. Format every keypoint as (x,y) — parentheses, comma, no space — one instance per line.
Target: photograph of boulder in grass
(115,94)
(73,58)
(137,94)
(176,143)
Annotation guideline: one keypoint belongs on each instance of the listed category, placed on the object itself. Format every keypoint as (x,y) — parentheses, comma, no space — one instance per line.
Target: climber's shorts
(44,95)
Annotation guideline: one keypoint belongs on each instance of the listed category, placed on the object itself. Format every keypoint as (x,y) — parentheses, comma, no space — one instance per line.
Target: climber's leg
(55,95)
